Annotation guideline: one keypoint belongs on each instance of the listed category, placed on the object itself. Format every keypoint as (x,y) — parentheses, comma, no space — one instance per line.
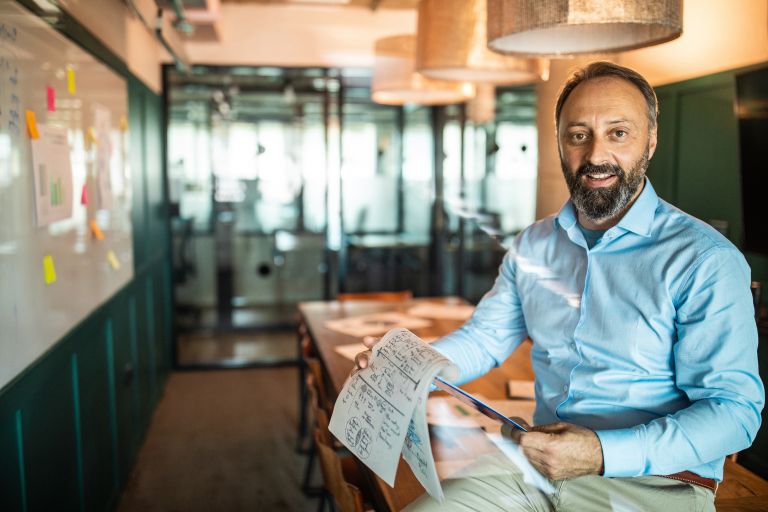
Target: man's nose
(597,153)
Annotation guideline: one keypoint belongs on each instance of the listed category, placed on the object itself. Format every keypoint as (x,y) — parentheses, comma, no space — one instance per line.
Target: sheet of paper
(52,175)
(442,311)
(376,323)
(374,411)
(350,350)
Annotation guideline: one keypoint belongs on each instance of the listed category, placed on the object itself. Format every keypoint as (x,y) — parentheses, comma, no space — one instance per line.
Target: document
(52,175)
(381,411)
(350,350)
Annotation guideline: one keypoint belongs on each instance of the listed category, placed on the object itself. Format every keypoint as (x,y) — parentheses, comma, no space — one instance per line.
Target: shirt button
(565,388)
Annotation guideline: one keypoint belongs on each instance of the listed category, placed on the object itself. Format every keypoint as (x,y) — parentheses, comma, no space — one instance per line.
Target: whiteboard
(34,313)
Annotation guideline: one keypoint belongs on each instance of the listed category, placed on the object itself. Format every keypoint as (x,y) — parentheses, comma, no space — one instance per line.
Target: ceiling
(371,4)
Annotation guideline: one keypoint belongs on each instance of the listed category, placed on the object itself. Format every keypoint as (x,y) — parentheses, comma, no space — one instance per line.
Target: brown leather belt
(693,478)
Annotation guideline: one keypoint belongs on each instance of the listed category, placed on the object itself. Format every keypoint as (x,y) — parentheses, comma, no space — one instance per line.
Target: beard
(604,202)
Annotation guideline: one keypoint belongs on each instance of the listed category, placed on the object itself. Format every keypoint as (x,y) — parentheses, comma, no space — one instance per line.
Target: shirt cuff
(621,454)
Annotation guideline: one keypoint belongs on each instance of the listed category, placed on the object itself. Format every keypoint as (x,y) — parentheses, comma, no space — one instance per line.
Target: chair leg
(321,502)
(310,464)
(302,427)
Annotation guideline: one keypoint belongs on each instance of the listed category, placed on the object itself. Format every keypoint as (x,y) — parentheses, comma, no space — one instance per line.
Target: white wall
(717,35)
(299,35)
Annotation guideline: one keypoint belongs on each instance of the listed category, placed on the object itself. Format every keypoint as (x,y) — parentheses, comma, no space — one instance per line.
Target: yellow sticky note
(113,261)
(49,271)
(123,124)
(71,84)
(32,125)
(90,136)
(98,234)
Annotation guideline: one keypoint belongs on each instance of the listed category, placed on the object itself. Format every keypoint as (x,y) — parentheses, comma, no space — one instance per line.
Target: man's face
(605,144)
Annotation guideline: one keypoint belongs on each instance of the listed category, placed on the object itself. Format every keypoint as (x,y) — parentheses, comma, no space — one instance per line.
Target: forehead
(604,97)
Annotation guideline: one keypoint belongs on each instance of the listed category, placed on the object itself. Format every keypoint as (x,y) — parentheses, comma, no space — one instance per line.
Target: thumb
(370,341)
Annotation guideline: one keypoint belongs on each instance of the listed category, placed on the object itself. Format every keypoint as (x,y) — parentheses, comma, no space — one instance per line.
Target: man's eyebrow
(621,120)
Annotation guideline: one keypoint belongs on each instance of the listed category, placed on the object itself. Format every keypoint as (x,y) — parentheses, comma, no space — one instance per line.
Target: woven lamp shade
(395,81)
(568,27)
(452,44)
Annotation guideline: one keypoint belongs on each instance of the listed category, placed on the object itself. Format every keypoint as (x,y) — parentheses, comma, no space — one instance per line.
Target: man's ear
(652,143)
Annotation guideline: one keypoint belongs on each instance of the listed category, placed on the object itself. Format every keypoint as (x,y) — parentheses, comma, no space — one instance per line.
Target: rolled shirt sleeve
(493,332)
(715,366)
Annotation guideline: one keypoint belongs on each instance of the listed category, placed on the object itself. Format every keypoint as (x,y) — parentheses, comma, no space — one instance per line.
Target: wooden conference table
(741,490)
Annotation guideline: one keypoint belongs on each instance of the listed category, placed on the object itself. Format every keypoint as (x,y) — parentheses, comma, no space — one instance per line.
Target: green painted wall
(697,168)
(72,423)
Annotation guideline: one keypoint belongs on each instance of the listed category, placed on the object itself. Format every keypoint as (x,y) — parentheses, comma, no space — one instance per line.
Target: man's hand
(362,358)
(560,450)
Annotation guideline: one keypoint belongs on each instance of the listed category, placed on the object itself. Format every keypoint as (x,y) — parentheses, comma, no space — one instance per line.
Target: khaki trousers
(489,489)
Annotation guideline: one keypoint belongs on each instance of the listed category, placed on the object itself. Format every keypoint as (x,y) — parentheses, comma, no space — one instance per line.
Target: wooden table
(741,490)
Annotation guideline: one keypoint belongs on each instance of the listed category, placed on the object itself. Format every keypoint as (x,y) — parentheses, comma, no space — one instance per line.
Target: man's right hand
(362,358)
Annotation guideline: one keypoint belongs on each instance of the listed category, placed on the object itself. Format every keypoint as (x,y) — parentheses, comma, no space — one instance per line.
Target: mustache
(600,169)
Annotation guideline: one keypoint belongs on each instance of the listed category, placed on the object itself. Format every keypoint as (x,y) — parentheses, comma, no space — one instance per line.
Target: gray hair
(601,69)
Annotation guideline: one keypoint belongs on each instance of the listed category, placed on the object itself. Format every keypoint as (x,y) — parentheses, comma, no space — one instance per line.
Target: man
(644,342)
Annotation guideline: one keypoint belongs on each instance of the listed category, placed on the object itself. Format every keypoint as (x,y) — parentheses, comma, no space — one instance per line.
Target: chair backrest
(384,296)
(348,497)
(315,368)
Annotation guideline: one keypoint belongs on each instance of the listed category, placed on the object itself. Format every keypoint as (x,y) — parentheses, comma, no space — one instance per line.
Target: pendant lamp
(451,44)
(482,108)
(568,27)
(396,82)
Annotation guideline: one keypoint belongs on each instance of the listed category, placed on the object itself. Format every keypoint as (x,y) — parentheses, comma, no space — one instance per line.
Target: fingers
(511,432)
(370,341)
(362,359)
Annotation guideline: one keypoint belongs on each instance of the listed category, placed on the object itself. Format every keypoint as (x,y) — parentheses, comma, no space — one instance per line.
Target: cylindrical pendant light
(451,44)
(482,108)
(568,27)
(395,81)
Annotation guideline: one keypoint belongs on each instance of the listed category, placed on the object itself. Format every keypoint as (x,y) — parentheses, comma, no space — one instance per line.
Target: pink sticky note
(51,99)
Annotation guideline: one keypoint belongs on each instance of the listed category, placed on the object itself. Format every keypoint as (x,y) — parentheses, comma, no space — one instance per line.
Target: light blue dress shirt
(648,338)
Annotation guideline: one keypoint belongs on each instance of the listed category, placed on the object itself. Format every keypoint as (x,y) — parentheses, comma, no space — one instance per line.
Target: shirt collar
(638,218)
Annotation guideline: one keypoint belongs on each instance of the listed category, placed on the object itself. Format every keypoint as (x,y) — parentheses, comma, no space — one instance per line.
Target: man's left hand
(560,450)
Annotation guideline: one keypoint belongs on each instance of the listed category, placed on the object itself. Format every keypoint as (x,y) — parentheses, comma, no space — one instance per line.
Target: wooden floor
(222,441)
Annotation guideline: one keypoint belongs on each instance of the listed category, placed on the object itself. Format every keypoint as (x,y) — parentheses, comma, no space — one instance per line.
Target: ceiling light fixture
(568,27)
(452,45)
(396,82)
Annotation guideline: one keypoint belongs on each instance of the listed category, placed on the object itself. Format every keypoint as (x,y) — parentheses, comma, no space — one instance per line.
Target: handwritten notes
(381,412)
(376,323)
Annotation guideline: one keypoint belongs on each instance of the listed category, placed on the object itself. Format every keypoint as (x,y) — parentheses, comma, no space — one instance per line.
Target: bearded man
(644,340)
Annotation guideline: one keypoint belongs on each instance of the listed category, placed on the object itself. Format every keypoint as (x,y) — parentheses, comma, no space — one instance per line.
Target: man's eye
(620,134)
(579,137)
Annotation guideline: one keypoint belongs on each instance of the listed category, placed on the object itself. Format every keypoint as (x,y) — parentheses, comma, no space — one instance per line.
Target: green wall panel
(10,480)
(709,175)
(95,415)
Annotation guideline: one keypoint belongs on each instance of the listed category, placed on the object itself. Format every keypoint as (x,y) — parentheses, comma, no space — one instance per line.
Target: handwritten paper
(49,270)
(381,411)
(442,311)
(350,350)
(375,323)
(52,172)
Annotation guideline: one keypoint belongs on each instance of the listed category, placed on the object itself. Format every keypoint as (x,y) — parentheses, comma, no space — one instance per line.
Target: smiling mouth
(599,178)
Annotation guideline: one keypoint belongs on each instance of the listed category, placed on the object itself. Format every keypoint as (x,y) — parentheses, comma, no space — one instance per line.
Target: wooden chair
(400,296)
(321,410)
(348,497)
